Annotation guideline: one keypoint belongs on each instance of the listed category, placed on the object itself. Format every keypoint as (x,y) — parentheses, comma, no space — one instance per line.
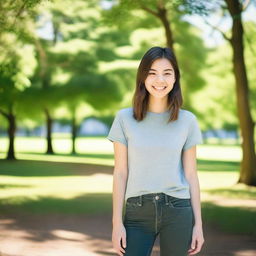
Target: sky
(211,37)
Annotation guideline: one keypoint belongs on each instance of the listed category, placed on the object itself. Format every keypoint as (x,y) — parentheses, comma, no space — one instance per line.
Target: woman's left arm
(190,171)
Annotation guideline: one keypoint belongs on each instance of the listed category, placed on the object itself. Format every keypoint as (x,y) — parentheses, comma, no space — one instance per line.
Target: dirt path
(60,235)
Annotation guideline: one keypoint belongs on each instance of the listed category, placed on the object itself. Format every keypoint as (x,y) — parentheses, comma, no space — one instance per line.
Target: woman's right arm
(119,186)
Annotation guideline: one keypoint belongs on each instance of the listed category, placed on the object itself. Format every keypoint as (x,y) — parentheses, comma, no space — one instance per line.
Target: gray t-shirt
(155,150)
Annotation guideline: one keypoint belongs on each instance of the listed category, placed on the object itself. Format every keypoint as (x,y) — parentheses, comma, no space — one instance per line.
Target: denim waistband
(151,197)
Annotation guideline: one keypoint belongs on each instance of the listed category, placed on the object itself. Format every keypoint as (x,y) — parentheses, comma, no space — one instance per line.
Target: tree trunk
(45,79)
(248,164)
(162,14)
(11,132)
(74,133)
(49,132)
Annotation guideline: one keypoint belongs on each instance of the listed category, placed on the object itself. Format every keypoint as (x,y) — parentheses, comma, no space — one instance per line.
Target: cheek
(171,80)
(149,81)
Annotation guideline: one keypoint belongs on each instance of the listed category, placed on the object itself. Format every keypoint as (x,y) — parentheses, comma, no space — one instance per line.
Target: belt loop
(140,198)
(166,199)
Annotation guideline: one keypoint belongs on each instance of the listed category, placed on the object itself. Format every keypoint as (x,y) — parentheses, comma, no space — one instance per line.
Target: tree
(74,52)
(15,18)
(235,9)
(7,99)
(14,76)
(168,15)
(248,164)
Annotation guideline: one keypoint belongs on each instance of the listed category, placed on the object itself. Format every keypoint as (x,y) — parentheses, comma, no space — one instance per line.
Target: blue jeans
(148,215)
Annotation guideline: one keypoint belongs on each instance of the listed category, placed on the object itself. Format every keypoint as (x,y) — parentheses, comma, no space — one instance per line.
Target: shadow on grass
(89,204)
(32,168)
(230,219)
(218,166)
(28,168)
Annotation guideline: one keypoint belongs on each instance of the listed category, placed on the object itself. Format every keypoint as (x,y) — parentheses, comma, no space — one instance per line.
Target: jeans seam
(171,204)
(155,217)
(150,249)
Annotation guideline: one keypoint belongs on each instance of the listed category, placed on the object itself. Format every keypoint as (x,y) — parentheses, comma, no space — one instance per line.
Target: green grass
(82,184)
(232,219)
(90,204)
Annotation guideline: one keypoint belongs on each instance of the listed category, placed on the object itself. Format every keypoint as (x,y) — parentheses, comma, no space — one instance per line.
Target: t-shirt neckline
(161,113)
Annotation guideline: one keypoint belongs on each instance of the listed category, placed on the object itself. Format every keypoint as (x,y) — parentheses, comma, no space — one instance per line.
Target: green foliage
(14,77)
(216,102)
(14,13)
(250,61)
(191,56)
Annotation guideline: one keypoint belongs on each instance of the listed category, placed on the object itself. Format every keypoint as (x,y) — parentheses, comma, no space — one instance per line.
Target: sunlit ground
(63,182)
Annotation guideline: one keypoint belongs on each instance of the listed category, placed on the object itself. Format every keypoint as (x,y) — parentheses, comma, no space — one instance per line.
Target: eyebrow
(168,69)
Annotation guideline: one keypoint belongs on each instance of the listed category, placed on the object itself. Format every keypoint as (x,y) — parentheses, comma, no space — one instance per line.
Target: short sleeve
(116,132)
(194,135)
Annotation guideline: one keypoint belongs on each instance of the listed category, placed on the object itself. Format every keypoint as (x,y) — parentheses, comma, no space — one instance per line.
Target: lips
(159,88)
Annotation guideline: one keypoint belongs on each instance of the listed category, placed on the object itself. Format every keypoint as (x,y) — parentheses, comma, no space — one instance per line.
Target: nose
(160,77)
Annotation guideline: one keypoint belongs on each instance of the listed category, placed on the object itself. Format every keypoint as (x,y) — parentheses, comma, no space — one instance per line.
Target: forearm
(119,186)
(195,198)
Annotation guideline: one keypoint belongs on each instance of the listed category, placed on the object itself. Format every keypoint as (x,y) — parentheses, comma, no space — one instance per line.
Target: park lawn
(82,184)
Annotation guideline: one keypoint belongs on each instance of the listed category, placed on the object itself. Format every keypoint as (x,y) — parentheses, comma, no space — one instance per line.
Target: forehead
(161,64)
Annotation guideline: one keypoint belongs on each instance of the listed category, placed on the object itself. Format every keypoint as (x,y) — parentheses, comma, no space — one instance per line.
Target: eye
(167,73)
(151,73)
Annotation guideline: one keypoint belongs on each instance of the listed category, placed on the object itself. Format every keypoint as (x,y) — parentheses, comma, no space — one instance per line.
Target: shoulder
(187,114)
(125,112)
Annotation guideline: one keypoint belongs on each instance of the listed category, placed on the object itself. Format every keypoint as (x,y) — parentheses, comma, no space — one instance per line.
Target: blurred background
(67,67)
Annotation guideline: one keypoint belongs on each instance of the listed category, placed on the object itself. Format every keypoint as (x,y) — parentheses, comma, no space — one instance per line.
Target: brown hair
(141,95)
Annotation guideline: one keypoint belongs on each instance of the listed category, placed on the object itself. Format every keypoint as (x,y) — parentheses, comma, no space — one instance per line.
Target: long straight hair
(141,96)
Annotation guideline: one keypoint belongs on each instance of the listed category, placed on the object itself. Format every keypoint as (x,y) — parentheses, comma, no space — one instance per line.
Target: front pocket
(175,202)
(132,205)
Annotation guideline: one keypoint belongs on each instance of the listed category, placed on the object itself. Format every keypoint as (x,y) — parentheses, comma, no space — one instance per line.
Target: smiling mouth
(159,88)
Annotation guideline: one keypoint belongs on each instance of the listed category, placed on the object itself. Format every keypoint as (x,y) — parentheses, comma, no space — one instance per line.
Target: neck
(157,105)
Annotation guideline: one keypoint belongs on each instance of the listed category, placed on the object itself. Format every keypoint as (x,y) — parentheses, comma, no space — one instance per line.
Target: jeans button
(156,197)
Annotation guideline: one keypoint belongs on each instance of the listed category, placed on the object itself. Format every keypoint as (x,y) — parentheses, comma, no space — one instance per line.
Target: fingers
(193,244)
(124,241)
(119,248)
(195,247)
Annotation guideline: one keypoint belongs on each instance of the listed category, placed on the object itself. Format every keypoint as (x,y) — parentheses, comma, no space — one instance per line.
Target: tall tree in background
(235,9)
(15,17)
(8,98)
(248,164)
(70,59)
(14,76)
(168,15)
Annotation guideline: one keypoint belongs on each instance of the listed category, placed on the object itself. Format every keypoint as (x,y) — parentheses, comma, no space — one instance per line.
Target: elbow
(191,177)
(122,174)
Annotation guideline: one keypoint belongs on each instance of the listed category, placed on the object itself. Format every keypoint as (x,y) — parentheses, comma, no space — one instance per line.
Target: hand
(119,238)
(197,240)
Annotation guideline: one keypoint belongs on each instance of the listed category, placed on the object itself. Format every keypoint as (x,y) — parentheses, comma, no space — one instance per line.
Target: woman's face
(161,78)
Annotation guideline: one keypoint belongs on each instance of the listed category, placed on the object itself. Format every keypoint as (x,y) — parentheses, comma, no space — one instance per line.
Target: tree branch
(218,29)
(245,5)
(145,8)
(248,39)
(19,12)
(5,114)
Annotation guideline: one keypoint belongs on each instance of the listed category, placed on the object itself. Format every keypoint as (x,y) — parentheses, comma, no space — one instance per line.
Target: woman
(155,165)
